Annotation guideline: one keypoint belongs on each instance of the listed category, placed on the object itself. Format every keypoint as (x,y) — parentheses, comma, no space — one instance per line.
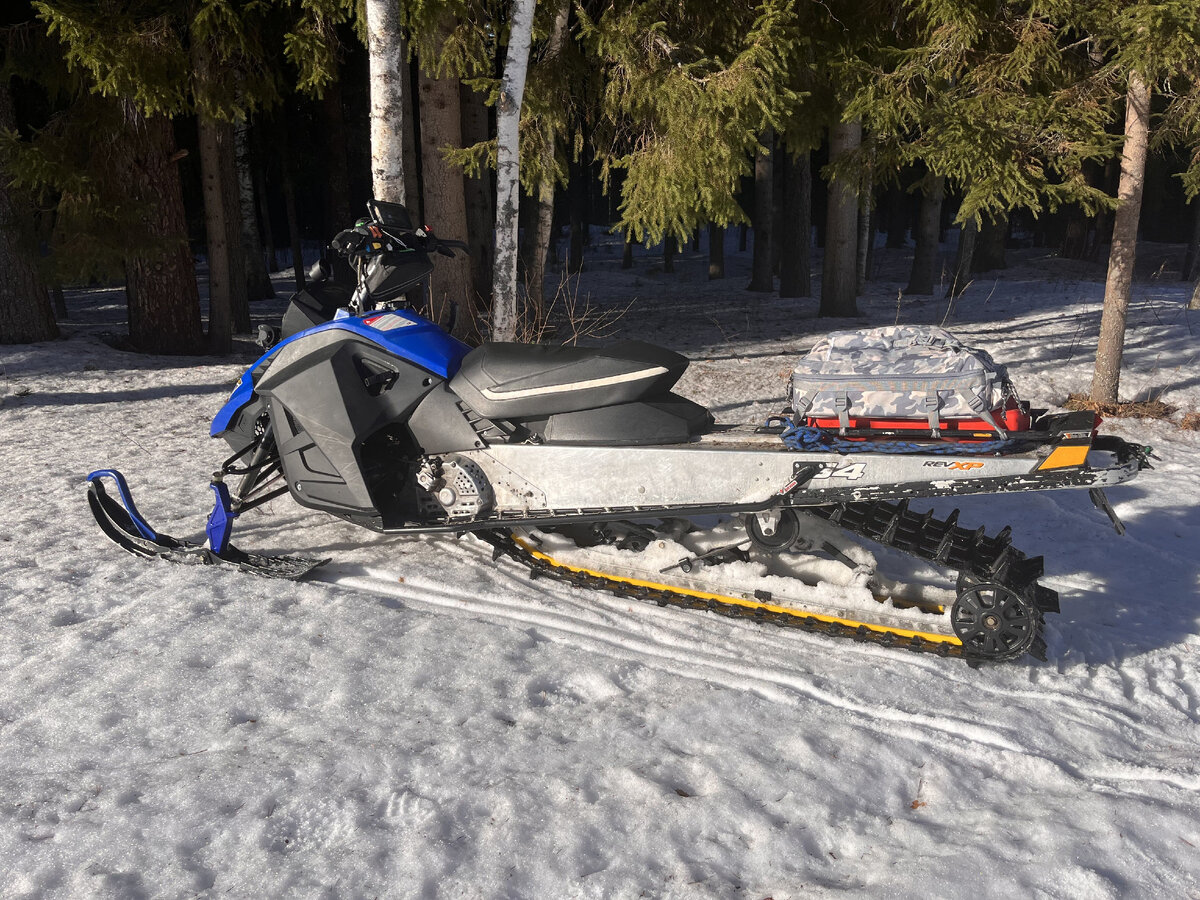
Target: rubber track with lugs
(973,553)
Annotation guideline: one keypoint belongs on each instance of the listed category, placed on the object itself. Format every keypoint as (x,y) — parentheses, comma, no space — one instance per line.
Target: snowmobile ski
(126,527)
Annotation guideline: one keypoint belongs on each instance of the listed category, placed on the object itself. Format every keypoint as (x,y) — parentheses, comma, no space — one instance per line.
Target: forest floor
(421,721)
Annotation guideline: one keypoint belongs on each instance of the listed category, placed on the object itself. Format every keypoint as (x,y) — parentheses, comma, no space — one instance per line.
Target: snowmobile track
(976,556)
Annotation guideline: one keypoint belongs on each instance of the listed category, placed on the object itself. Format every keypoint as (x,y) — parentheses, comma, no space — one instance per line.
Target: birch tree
(389,113)
(508,171)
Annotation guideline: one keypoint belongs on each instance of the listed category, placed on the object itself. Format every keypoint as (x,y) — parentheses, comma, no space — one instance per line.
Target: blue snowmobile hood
(399,332)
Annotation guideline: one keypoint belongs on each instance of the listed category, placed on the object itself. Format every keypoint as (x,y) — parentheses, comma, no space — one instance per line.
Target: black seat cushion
(507,381)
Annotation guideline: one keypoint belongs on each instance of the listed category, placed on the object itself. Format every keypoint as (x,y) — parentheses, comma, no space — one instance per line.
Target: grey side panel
(439,426)
(325,406)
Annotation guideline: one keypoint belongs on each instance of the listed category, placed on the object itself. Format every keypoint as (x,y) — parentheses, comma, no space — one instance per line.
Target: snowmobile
(585,466)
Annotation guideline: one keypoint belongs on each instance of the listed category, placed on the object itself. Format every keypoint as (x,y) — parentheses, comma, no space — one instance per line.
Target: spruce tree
(208,57)
(25,312)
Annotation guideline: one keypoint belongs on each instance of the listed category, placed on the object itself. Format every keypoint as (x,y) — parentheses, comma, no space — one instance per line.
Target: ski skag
(125,526)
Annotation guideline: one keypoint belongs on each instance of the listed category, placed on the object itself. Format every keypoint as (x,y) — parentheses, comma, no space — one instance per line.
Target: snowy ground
(422,722)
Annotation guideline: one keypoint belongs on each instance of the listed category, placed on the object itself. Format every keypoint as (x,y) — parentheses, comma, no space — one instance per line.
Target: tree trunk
(1075,235)
(390,114)
(963,259)
(1191,259)
(25,312)
(239,300)
(216,216)
(627,252)
(1195,303)
(716,252)
(777,205)
(408,141)
(264,213)
(544,216)
(577,201)
(508,171)
(258,282)
(1102,232)
(897,216)
(288,186)
(1121,257)
(925,258)
(443,189)
(337,182)
(761,278)
(989,248)
(670,250)
(481,216)
(164,302)
(795,233)
(543,227)
(838,282)
(866,227)
(59,301)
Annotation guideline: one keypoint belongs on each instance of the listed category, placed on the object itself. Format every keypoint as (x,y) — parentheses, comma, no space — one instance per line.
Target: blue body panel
(402,333)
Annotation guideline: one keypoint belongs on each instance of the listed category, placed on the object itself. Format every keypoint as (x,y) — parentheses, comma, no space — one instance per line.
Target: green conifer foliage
(687,89)
(1002,99)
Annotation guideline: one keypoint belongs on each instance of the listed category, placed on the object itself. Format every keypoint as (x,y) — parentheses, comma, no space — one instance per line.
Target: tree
(25,312)
(390,111)
(795,231)
(716,252)
(547,95)
(508,171)
(1109,350)
(761,278)
(445,202)
(685,95)
(258,282)
(839,281)
(206,57)
(924,266)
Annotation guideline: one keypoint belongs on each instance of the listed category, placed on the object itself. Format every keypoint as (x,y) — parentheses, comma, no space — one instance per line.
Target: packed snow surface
(421,721)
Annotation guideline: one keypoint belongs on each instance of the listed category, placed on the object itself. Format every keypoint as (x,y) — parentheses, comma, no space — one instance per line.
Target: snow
(421,721)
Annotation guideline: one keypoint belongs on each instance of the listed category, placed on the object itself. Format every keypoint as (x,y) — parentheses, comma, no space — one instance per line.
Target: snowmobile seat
(507,381)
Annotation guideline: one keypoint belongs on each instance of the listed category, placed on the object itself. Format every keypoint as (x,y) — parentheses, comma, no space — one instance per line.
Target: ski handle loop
(96,479)
(220,520)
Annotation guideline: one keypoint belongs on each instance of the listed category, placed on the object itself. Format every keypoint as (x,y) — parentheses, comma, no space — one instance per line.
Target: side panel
(564,477)
(402,334)
(339,415)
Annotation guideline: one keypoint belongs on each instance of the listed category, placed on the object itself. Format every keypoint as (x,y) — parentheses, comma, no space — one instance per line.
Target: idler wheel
(992,621)
(787,532)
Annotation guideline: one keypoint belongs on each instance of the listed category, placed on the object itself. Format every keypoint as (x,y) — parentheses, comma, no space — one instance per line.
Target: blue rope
(802,437)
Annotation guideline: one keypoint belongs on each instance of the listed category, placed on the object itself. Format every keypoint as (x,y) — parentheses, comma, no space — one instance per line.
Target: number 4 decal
(852,472)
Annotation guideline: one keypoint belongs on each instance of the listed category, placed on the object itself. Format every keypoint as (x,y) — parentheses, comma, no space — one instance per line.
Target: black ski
(128,530)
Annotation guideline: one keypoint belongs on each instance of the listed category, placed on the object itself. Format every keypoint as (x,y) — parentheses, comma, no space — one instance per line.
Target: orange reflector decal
(1075,455)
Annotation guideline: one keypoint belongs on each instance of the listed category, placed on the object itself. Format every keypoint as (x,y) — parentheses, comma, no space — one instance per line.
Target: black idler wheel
(992,621)
(787,532)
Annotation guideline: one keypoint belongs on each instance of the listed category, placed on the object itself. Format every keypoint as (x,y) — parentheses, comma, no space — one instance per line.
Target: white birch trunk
(385,48)
(508,171)
(1117,286)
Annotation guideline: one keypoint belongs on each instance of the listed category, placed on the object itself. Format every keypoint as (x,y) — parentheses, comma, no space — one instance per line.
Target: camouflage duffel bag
(899,372)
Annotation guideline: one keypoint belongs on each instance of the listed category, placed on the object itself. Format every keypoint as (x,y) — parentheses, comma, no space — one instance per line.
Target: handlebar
(365,240)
